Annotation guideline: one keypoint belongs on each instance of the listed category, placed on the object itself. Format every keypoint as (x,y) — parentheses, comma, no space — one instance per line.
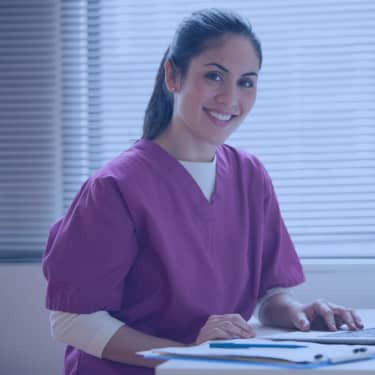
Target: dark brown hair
(194,35)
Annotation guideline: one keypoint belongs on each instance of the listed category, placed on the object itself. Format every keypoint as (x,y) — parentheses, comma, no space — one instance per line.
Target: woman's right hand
(228,326)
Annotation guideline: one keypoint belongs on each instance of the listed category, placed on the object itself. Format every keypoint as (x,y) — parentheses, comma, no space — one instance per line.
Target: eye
(213,76)
(247,83)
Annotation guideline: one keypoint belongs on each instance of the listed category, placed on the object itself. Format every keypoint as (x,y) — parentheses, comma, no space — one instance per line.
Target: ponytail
(160,106)
(195,34)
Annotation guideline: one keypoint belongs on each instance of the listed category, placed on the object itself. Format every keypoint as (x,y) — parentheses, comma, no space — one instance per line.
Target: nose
(228,96)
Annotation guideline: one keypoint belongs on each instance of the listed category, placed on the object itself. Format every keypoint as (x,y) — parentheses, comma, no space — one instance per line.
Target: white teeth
(220,116)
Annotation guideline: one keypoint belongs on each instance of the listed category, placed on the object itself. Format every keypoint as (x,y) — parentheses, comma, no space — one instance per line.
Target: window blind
(312,126)
(314,123)
(29,126)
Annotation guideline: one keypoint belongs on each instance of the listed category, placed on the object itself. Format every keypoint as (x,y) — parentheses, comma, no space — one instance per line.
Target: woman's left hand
(324,315)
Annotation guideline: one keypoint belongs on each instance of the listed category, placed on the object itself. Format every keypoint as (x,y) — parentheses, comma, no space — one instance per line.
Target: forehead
(234,52)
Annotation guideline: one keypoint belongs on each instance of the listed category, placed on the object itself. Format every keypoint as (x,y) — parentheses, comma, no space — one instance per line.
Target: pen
(235,345)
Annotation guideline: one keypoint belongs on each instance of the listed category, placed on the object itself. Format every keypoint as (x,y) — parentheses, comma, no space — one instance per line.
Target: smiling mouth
(224,117)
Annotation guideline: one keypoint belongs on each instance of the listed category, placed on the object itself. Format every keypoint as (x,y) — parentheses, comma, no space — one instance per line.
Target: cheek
(196,100)
(249,101)
(193,94)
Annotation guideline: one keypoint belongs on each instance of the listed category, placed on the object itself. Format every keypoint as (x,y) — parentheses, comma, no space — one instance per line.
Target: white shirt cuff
(88,332)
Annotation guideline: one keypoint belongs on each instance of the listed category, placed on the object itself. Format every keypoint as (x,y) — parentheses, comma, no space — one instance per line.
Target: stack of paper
(265,351)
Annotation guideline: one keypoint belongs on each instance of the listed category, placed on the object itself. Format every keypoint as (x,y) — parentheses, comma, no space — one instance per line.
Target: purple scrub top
(142,242)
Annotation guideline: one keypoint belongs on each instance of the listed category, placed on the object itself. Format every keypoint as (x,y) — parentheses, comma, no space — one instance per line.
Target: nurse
(178,239)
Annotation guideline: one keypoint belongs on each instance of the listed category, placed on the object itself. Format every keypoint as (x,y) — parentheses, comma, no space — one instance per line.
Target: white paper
(312,353)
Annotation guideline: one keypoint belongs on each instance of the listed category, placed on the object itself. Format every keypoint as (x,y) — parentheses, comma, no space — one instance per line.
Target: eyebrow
(227,71)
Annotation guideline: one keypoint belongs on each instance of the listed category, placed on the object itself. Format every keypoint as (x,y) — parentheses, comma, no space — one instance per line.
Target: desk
(180,367)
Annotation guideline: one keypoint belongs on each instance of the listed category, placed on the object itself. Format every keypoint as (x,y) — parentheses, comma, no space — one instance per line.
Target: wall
(26,346)
(25,343)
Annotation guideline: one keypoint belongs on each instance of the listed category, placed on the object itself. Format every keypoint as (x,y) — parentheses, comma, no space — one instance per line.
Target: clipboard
(289,354)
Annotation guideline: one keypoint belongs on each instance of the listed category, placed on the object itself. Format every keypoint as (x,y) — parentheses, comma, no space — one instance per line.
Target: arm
(127,341)
(269,293)
(124,344)
(281,266)
(104,336)
(275,311)
(87,332)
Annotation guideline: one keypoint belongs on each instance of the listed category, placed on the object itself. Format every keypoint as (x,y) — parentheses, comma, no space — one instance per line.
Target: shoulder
(109,185)
(247,167)
(128,167)
(241,159)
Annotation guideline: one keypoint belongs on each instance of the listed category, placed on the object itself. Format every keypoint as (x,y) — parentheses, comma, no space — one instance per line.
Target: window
(29,126)
(313,125)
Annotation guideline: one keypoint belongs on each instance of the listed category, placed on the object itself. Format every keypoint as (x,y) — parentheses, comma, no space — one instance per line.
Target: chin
(222,138)
(218,141)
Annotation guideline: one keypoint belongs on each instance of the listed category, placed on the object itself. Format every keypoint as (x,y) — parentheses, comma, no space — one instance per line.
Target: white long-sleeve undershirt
(92,332)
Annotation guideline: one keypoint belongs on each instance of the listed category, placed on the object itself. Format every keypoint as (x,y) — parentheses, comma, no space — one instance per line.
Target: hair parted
(193,36)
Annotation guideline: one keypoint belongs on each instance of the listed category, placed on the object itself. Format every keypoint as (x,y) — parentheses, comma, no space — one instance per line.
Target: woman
(175,241)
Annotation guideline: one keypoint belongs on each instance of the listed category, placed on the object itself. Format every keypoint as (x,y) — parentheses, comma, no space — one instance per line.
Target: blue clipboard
(295,366)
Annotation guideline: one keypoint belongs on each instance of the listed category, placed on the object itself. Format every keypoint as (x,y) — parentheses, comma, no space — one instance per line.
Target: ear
(172,79)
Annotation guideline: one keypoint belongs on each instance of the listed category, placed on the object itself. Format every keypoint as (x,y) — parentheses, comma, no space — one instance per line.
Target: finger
(236,320)
(357,319)
(213,318)
(228,326)
(347,317)
(240,322)
(344,315)
(212,333)
(324,311)
(235,330)
(245,330)
(218,333)
(339,321)
(300,321)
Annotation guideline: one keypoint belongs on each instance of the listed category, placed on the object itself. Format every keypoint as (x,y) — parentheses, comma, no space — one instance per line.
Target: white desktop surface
(181,367)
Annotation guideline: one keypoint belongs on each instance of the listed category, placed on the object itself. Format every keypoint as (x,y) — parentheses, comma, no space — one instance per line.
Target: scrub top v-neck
(141,241)
(169,167)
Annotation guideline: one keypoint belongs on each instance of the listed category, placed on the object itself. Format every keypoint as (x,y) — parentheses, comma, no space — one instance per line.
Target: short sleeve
(281,266)
(90,251)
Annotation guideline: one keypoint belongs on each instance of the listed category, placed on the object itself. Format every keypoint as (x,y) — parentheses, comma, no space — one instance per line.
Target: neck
(184,147)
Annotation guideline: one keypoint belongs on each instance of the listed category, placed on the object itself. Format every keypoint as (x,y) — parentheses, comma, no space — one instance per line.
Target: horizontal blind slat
(313,125)
(28,86)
